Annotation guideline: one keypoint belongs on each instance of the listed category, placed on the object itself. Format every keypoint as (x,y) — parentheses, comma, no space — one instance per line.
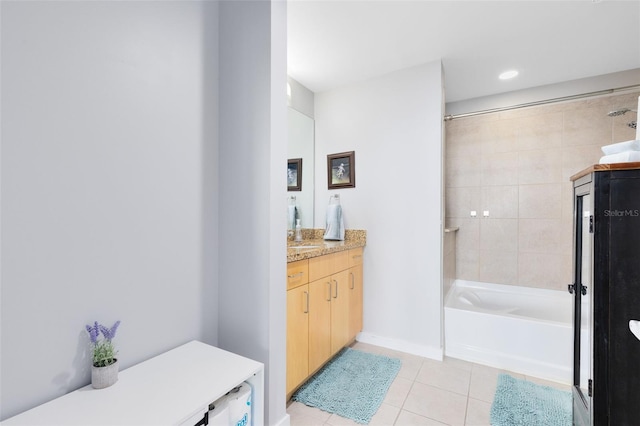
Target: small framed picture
(294,174)
(341,170)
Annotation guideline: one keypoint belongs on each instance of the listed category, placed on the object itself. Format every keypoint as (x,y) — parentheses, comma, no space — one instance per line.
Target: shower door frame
(582,251)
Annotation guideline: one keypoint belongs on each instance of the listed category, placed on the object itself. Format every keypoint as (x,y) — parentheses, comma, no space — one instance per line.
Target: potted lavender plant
(104,369)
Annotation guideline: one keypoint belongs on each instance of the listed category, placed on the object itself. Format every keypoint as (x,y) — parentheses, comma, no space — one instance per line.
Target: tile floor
(425,392)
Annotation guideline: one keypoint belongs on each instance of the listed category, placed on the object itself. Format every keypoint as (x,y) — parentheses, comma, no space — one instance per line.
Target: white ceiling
(336,42)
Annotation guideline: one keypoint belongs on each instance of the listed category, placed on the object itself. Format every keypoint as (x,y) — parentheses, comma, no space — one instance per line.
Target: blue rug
(352,385)
(521,403)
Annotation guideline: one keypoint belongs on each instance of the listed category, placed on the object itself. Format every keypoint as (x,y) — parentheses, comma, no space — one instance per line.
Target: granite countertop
(314,245)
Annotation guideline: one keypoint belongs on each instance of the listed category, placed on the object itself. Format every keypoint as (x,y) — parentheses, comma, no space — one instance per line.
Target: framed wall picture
(294,174)
(341,170)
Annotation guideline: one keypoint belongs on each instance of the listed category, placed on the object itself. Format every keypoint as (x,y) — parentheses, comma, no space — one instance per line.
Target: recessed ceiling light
(508,74)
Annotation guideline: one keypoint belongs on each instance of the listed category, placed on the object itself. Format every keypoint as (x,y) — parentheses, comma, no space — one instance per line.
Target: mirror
(301,145)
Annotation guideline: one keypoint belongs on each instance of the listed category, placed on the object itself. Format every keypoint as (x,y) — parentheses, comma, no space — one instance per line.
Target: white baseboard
(285,421)
(401,345)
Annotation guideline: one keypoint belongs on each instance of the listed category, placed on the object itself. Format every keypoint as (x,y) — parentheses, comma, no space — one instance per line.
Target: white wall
(301,98)
(108,185)
(394,125)
(253,144)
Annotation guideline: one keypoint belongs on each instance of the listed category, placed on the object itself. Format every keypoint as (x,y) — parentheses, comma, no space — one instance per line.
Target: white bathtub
(521,329)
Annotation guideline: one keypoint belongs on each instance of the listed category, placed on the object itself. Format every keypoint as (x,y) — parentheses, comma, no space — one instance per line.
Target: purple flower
(93,331)
(109,333)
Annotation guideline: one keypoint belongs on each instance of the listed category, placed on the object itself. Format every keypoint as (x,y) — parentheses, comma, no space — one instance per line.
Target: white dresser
(174,388)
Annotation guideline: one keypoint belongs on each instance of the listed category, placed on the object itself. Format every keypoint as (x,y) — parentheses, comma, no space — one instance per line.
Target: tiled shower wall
(516,165)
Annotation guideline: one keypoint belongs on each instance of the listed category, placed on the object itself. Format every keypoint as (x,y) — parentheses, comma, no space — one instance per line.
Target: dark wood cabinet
(606,290)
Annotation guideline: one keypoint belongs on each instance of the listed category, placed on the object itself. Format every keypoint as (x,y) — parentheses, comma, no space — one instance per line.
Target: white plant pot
(103,377)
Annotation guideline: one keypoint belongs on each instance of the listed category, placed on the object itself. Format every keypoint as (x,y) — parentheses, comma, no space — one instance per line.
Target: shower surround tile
(466,141)
(539,166)
(500,169)
(540,132)
(500,201)
(499,235)
(621,131)
(498,267)
(468,264)
(501,137)
(463,172)
(542,236)
(577,158)
(460,201)
(544,270)
(468,234)
(540,201)
(530,153)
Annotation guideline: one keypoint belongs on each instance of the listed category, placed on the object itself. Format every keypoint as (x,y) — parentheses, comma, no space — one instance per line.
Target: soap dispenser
(298,231)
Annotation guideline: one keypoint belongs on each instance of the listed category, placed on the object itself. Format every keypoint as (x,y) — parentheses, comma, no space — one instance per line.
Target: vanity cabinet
(606,292)
(324,314)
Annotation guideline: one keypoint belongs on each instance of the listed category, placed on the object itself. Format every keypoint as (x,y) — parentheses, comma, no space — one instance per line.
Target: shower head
(621,111)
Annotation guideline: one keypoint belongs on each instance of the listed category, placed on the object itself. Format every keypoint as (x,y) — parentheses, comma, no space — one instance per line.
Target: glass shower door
(583,290)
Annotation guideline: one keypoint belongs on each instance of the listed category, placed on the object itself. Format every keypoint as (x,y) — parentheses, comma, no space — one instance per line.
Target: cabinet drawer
(323,266)
(297,273)
(355,257)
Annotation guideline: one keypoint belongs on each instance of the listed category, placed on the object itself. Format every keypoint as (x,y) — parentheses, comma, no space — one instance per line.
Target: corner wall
(109,144)
(252,161)
(394,125)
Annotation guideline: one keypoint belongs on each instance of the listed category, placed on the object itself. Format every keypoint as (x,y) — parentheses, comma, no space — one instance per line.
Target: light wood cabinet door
(319,323)
(297,336)
(355,300)
(339,310)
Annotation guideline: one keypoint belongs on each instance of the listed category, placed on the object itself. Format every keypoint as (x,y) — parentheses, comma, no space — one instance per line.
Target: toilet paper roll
(233,409)
(239,400)
(219,412)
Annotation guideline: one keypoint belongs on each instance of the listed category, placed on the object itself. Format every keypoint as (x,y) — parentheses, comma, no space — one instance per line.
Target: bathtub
(521,329)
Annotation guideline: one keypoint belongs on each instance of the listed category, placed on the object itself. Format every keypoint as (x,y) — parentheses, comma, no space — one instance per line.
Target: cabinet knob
(571,288)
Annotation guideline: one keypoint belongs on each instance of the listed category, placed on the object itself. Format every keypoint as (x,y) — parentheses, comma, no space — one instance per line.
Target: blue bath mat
(351,385)
(522,403)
